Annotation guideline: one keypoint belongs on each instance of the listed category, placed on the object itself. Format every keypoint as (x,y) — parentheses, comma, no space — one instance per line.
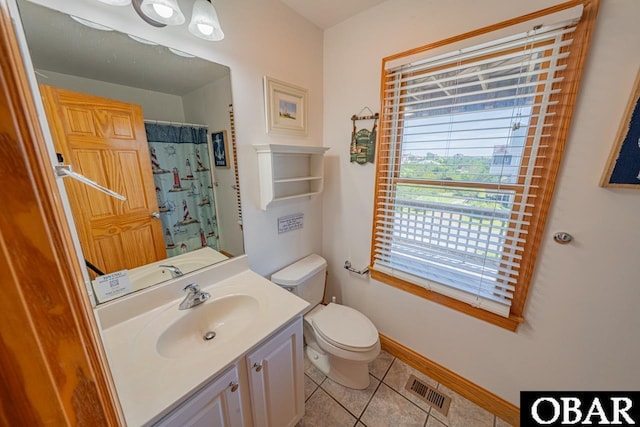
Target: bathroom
(576,334)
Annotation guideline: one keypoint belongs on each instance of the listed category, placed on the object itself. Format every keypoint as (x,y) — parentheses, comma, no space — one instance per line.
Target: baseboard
(473,392)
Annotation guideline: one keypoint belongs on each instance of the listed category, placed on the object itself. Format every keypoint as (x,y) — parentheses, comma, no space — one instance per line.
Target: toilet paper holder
(347,266)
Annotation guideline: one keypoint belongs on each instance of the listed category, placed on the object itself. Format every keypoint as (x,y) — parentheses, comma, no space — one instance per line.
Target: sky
(449,135)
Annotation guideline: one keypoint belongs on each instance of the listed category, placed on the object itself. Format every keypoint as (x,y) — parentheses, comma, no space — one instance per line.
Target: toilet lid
(345,328)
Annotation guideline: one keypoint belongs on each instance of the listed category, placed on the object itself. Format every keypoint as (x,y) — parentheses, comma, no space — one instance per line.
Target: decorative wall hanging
(220,149)
(623,166)
(286,108)
(363,148)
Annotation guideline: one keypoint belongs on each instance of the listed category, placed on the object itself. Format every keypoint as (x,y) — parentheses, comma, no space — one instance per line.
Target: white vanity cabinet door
(276,381)
(218,404)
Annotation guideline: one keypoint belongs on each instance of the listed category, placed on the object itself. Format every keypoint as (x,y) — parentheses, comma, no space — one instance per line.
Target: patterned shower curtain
(184,187)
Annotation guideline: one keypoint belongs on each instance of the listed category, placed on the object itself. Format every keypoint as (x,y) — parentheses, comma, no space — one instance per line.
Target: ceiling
(58,43)
(327,13)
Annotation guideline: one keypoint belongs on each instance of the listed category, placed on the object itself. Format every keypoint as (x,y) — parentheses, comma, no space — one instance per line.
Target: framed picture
(623,166)
(220,149)
(286,108)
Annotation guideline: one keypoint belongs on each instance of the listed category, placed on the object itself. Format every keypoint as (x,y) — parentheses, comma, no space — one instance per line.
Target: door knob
(155,215)
(258,366)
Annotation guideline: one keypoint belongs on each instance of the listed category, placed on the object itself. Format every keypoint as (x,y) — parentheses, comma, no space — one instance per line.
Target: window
(470,142)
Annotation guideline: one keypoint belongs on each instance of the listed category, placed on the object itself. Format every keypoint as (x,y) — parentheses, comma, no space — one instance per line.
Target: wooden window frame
(575,63)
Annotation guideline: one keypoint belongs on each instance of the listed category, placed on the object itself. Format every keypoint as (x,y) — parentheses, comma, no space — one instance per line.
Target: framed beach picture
(286,108)
(220,149)
(623,166)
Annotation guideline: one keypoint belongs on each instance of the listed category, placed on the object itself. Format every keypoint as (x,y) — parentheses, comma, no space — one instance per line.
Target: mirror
(193,173)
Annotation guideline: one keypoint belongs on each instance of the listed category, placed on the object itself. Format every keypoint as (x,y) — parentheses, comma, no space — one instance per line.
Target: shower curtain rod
(162,122)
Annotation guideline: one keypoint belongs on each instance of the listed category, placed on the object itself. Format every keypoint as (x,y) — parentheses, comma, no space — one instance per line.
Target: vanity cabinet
(276,379)
(275,386)
(289,172)
(218,404)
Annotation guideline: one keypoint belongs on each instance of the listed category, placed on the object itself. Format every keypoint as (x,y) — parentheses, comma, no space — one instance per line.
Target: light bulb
(204,21)
(162,10)
(205,29)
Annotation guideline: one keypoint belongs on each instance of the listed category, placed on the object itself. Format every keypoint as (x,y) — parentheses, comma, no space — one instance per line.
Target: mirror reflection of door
(171,89)
(105,141)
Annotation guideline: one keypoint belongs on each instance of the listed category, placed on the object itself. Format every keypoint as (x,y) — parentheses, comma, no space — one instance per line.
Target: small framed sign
(112,285)
(290,223)
(220,149)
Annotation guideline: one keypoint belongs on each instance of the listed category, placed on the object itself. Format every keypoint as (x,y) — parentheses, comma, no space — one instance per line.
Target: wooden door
(53,367)
(105,141)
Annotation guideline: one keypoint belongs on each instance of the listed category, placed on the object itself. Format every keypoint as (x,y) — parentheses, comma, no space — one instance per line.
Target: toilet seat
(345,328)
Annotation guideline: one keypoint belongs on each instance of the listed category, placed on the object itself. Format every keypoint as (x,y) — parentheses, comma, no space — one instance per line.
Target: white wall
(262,37)
(210,105)
(581,329)
(155,105)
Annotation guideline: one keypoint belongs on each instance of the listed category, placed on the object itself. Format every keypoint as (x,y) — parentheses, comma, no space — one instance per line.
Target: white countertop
(149,384)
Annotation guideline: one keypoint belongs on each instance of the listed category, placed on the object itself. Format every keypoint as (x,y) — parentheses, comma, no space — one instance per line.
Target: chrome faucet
(175,271)
(195,296)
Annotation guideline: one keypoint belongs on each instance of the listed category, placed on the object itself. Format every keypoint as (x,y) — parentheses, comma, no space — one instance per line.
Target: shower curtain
(184,186)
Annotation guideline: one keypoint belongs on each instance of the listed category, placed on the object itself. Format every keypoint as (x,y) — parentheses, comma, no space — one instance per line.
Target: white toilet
(340,341)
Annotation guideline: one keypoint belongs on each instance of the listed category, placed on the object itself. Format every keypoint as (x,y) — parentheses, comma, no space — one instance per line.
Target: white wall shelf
(289,171)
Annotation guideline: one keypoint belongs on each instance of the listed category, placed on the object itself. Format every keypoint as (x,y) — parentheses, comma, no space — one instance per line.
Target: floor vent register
(428,394)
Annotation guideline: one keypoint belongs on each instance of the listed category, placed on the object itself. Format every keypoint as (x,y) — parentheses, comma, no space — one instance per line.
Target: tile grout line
(428,412)
(338,402)
(368,402)
(316,389)
(358,419)
(380,381)
(406,398)
(388,369)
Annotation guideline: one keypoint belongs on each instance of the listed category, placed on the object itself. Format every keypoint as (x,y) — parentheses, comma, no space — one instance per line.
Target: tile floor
(385,402)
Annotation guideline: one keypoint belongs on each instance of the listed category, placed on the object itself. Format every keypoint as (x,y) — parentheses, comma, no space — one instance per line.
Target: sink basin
(227,317)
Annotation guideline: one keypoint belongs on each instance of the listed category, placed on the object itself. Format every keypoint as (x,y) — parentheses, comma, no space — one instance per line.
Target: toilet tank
(305,278)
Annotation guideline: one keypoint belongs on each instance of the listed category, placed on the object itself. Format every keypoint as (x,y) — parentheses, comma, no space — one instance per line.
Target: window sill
(510,323)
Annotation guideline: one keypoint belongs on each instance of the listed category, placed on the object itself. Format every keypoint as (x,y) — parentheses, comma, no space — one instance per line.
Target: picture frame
(220,148)
(623,166)
(285,107)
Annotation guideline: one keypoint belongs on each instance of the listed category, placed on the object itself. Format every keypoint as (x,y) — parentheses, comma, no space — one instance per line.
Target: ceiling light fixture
(117,2)
(136,6)
(204,21)
(141,40)
(90,24)
(164,11)
(181,53)
(160,13)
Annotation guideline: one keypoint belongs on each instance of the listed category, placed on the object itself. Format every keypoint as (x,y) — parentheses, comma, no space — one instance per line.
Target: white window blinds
(464,138)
